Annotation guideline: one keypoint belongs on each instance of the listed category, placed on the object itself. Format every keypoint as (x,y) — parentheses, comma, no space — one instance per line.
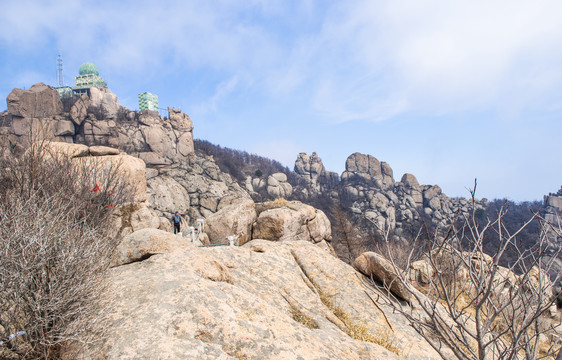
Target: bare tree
(473,308)
(53,248)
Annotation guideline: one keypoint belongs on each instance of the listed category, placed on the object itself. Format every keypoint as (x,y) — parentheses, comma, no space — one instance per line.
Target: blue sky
(446,90)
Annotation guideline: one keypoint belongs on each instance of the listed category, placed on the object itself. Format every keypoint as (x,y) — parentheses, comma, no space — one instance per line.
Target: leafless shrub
(476,309)
(53,214)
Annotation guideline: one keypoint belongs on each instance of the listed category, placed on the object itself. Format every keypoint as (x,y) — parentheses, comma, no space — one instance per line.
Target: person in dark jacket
(176,220)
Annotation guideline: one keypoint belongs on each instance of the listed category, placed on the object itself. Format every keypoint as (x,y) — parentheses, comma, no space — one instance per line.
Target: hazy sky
(446,90)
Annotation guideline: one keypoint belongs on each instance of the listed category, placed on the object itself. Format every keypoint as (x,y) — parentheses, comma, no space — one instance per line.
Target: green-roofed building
(148,101)
(89,77)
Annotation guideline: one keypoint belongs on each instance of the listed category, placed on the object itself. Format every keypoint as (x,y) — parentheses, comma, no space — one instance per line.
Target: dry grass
(268,205)
(358,330)
(235,351)
(204,335)
(302,318)
(280,202)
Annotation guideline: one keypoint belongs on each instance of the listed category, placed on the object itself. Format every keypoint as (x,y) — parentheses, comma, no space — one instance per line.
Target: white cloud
(223,90)
(453,56)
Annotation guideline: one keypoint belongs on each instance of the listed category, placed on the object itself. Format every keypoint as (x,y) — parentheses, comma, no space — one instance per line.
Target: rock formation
(275,186)
(283,221)
(96,119)
(264,300)
(312,171)
(368,190)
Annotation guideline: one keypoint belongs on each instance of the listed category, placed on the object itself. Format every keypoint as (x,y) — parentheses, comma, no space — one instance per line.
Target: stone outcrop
(136,216)
(553,208)
(249,302)
(278,187)
(100,161)
(40,101)
(312,171)
(79,110)
(283,221)
(367,169)
(132,171)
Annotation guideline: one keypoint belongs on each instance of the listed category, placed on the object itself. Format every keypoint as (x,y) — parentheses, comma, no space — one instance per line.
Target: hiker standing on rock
(176,220)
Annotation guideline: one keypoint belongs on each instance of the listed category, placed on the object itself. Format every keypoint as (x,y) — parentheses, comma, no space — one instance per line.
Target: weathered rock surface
(240,303)
(232,220)
(40,101)
(367,189)
(278,187)
(291,221)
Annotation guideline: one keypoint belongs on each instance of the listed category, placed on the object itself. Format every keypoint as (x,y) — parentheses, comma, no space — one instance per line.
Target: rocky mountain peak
(367,168)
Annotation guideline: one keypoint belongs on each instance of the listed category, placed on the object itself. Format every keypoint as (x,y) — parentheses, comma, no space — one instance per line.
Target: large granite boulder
(232,220)
(132,217)
(317,179)
(183,126)
(143,243)
(282,220)
(40,101)
(130,169)
(375,265)
(278,187)
(209,189)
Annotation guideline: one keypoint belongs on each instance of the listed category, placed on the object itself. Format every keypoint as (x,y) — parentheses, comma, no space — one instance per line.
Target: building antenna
(60,79)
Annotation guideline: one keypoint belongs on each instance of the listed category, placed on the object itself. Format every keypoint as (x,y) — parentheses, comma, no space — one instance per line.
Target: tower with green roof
(89,77)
